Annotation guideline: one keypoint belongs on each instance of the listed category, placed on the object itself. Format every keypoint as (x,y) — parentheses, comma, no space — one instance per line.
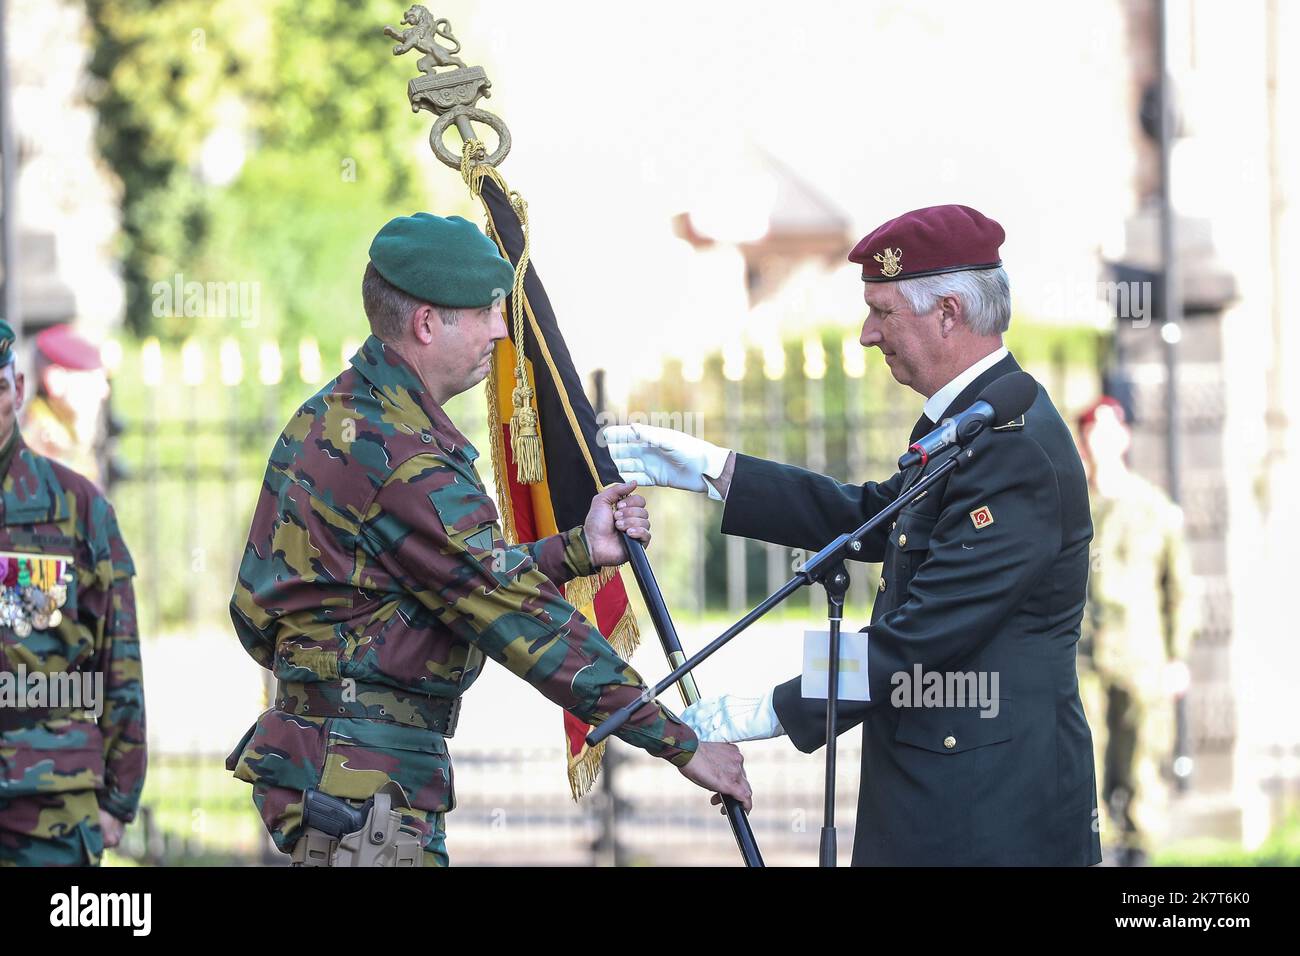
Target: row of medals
(27,608)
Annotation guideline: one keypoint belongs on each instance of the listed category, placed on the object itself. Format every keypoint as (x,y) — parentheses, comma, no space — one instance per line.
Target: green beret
(6,344)
(441,261)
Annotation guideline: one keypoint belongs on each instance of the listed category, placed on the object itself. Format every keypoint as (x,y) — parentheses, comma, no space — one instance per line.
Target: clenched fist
(721,769)
(614,511)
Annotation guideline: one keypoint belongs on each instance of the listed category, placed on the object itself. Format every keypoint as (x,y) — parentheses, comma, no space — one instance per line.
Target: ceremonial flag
(562,464)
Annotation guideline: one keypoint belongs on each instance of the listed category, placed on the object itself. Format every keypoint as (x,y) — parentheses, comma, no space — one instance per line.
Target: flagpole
(663,623)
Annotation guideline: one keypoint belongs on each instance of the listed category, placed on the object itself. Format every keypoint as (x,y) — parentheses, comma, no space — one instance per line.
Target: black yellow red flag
(574,464)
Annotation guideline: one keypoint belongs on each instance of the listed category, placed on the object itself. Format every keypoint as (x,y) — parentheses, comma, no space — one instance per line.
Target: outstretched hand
(666,458)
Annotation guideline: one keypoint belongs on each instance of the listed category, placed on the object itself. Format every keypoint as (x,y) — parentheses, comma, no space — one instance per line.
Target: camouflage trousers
(1133,755)
(283,755)
(281,811)
(51,829)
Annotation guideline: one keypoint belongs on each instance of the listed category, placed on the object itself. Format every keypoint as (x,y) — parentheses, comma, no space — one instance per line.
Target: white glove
(660,457)
(730,719)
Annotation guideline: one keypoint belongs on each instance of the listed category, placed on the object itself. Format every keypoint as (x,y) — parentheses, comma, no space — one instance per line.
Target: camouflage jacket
(376,578)
(1140,611)
(51,515)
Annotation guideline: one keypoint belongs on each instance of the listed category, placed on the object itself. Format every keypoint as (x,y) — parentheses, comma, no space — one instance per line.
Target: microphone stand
(837,585)
(822,569)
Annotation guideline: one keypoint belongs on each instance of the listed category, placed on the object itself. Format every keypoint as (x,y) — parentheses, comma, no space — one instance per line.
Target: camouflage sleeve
(436,533)
(253,625)
(259,642)
(562,557)
(122,722)
(1177,598)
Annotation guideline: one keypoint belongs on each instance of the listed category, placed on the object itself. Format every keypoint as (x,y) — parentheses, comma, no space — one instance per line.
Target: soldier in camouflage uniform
(376,579)
(71,768)
(1136,631)
(62,420)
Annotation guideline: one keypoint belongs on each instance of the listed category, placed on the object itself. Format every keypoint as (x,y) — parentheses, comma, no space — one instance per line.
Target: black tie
(922,428)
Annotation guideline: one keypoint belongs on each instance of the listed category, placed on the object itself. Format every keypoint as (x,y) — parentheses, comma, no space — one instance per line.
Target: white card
(853,683)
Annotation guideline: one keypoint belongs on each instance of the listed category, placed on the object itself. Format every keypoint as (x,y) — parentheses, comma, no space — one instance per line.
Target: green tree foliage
(332,151)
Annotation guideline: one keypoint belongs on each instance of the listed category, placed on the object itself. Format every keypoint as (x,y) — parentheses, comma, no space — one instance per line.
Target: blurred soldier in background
(72,731)
(1136,632)
(62,421)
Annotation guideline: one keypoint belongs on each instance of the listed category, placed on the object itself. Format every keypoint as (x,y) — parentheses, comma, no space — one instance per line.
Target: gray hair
(388,308)
(985,296)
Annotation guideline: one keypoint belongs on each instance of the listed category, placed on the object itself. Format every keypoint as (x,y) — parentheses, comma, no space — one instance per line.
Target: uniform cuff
(118,806)
(660,733)
(563,557)
(577,553)
(685,744)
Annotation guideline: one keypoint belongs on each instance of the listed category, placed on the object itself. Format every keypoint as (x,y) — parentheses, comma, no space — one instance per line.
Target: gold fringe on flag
(525,439)
(625,637)
(499,476)
(584,770)
(581,593)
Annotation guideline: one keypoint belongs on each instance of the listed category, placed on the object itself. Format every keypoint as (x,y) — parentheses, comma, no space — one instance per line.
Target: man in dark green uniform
(376,581)
(984,574)
(72,731)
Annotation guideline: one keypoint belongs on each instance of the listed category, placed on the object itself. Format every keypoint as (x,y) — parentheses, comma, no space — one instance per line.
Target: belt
(25,718)
(368,702)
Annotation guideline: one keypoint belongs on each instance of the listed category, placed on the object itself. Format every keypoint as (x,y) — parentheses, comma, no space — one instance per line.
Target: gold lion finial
(447,87)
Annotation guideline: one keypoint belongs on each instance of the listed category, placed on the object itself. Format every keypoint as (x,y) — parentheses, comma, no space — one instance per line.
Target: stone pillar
(1206,468)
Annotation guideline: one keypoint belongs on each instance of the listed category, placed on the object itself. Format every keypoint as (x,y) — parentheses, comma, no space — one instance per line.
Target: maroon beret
(1089,414)
(925,242)
(62,346)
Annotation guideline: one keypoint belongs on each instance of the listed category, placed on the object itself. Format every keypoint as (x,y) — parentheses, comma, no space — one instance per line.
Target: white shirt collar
(938,403)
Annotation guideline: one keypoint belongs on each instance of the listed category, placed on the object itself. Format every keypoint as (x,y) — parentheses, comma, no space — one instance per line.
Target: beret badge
(889,261)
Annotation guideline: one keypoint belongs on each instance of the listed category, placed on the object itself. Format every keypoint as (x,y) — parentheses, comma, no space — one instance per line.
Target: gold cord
(525,437)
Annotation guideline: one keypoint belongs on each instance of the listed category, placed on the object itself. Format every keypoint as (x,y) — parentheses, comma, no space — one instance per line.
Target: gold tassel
(525,439)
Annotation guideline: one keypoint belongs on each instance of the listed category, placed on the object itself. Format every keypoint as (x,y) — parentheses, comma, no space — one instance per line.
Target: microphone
(1007,398)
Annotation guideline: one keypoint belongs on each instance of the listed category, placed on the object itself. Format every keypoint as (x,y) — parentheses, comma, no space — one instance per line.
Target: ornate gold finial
(889,262)
(451,95)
